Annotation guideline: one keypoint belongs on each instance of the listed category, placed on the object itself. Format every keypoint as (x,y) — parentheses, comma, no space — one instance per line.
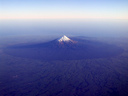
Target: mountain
(64,39)
(65,48)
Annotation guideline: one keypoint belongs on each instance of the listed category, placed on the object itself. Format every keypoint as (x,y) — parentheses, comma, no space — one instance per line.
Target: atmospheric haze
(63,48)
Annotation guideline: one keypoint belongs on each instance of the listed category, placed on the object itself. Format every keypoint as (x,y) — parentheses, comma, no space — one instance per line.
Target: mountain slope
(65,49)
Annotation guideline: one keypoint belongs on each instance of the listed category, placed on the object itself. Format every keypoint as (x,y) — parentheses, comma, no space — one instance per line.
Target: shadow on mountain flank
(75,49)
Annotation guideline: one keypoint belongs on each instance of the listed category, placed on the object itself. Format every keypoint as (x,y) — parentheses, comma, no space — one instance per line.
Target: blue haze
(95,28)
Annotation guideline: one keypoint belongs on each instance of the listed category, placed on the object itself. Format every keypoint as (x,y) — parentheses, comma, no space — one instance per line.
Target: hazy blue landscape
(63,48)
(102,76)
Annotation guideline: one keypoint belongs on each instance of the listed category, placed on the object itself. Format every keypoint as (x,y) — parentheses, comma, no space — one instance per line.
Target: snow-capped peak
(64,38)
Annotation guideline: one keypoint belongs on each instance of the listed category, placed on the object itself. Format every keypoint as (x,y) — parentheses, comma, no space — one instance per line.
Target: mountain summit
(64,38)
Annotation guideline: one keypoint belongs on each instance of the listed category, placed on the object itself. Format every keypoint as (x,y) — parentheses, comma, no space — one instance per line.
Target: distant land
(104,73)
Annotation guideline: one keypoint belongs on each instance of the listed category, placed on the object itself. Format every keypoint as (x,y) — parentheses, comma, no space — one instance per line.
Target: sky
(63,9)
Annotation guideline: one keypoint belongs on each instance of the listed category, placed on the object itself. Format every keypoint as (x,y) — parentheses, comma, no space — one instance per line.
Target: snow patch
(64,38)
